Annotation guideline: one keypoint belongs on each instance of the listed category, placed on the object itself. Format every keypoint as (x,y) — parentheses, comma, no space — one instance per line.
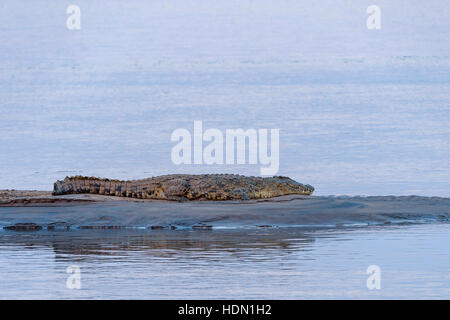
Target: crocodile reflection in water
(82,245)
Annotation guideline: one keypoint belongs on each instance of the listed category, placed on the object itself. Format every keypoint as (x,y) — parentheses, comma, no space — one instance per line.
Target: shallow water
(283,263)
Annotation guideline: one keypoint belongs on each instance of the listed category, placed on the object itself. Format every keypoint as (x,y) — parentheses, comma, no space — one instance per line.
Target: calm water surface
(359,111)
(283,263)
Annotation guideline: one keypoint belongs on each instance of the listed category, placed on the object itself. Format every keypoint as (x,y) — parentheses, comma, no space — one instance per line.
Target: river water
(360,112)
(277,263)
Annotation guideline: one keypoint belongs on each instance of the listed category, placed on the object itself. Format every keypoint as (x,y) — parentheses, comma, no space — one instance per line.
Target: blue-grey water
(318,247)
(288,263)
(360,112)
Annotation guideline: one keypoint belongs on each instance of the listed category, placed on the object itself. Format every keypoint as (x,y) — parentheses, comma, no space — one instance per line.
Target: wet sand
(32,198)
(86,211)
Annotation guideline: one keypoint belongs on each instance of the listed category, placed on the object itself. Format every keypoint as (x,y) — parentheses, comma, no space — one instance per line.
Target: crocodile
(186,187)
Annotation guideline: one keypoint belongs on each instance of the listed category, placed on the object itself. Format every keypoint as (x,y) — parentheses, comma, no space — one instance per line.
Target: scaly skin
(186,187)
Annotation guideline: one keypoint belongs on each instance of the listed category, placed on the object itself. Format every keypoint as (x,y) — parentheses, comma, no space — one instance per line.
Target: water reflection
(122,244)
(270,263)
